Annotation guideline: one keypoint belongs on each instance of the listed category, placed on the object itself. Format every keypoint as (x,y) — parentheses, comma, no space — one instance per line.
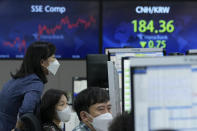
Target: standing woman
(22,93)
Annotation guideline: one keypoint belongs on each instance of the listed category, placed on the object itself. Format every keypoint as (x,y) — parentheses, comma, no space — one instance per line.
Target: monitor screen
(79,84)
(125,81)
(150,24)
(73,26)
(164,93)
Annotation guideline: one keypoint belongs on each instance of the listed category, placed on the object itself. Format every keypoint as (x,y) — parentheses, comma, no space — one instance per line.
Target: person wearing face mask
(54,109)
(22,93)
(93,110)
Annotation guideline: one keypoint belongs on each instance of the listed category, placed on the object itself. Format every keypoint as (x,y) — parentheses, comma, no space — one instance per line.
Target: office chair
(31,122)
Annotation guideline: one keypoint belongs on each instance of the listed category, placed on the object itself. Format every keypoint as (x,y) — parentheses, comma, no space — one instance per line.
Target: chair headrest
(31,123)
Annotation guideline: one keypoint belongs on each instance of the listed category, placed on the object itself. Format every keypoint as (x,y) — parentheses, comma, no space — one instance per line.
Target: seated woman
(54,109)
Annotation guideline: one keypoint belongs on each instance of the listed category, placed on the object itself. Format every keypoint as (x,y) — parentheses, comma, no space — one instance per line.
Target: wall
(62,80)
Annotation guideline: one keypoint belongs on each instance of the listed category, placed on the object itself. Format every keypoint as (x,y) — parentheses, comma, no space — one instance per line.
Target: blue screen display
(150,24)
(73,26)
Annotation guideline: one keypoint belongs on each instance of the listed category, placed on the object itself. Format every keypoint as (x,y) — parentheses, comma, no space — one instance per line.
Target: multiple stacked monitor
(159,90)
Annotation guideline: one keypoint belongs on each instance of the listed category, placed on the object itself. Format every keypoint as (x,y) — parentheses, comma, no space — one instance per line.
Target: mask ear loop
(90,118)
(89,121)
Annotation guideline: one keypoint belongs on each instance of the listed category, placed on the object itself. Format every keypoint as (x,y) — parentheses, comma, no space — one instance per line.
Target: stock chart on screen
(73,27)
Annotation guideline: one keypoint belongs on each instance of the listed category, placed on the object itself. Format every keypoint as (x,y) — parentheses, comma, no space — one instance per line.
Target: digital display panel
(150,24)
(73,26)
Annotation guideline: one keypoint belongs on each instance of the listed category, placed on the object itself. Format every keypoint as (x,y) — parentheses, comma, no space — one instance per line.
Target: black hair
(31,64)
(48,102)
(122,122)
(89,97)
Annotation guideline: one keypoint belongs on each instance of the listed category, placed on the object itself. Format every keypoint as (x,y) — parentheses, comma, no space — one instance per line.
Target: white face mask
(53,67)
(102,122)
(64,115)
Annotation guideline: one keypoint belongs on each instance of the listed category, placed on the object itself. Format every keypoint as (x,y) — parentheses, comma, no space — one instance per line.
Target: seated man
(93,109)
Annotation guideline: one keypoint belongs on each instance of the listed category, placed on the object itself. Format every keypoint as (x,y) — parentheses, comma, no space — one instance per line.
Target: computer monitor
(114,90)
(126,88)
(164,92)
(112,49)
(97,75)
(115,54)
(191,52)
(79,84)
